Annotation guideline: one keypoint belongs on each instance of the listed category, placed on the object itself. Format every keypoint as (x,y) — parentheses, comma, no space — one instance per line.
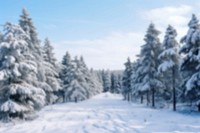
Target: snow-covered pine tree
(120,82)
(106,80)
(126,80)
(92,85)
(36,51)
(66,75)
(78,89)
(17,75)
(98,87)
(85,73)
(51,73)
(48,50)
(170,63)
(136,81)
(115,83)
(75,79)
(150,81)
(191,62)
(99,75)
(27,25)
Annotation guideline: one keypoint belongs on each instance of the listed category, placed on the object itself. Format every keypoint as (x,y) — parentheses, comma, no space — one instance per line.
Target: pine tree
(136,82)
(27,25)
(126,80)
(170,62)
(67,66)
(51,73)
(115,83)
(17,75)
(97,82)
(66,75)
(88,82)
(36,51)
(87,77)
(48,52)
(77,82)
(106,81)
(78,88)
(120,83)
(191,62)
(150,81)
(99,76)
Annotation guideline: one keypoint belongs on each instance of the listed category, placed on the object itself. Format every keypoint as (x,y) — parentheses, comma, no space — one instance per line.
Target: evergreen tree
(115,83)
(170,62)
(17,75)
(120,83)
(106,81)
(98,86)
(48,52)
(92,85)
(27,25)
(150,81)
(85,74)
(126,80)
(51,73)
(66,75)
(78,83)
(36,51)
(78,89)
(191,62)
(99,76)
(136,81)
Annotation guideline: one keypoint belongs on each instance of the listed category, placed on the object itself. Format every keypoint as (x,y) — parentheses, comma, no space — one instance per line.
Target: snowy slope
(105,113)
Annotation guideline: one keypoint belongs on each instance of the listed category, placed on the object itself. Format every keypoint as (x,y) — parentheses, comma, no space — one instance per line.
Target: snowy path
(106,113)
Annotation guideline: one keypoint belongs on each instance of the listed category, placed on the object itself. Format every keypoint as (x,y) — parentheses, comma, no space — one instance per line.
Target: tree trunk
(153,97)
(128,97)
(64,98)
(147,98)
(174,90)
(76,100)
(141,100)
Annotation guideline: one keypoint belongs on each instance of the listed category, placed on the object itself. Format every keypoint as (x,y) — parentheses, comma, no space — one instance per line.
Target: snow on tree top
(194,22)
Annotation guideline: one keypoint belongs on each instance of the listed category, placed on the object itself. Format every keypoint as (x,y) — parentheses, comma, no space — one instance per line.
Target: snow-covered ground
(106,113)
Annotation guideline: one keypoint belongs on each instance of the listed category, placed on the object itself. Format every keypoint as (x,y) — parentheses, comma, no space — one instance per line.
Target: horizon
(105,33)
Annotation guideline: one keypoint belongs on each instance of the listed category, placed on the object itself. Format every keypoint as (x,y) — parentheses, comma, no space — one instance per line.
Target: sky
(104,32)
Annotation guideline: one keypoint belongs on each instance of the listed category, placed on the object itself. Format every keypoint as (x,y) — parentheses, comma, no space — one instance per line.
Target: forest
(165,72)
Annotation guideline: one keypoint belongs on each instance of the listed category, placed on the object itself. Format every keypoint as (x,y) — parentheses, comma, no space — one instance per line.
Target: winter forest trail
(106,113)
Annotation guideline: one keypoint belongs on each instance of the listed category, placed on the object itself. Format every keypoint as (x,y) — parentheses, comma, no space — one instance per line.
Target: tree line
(166,72)
(31,77)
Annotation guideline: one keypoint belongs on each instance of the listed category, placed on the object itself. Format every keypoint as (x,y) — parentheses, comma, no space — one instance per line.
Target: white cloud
(109,52)
(168,15)
(177,16)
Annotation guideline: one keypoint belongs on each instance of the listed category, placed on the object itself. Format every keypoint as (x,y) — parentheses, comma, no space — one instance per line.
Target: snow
(106,113)
(10,106)
(166,65)
(2,75)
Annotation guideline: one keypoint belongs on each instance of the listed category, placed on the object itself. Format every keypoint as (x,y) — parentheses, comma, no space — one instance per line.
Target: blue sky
(105,32)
